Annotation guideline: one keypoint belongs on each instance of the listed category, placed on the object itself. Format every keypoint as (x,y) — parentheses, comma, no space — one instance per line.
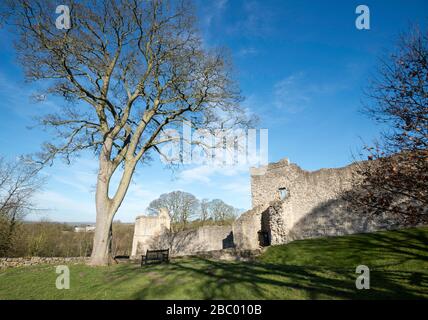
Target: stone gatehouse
(288,203)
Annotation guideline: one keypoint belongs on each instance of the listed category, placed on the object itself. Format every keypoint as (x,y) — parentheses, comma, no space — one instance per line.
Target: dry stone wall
(30,261)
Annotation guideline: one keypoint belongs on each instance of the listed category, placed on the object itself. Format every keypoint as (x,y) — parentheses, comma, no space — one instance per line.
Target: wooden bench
(155,256)
(121,259)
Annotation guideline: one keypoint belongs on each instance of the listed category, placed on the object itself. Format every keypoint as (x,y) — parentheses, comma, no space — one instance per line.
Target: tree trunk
(101,255)
(107,208)
(100,252)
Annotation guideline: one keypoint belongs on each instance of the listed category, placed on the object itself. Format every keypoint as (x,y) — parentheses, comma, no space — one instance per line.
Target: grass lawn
(307,269)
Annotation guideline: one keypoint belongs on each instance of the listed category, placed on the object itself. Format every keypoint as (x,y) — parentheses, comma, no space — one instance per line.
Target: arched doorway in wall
(264,234)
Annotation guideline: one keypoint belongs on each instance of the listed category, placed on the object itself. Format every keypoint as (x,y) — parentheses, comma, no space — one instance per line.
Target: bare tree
(130,71)
(182,206)
(204,210)
(18,184)
(221,211)
(395,179)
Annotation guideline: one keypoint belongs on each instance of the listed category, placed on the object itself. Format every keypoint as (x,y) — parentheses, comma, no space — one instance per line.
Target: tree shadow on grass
(377,249)
(200,278)
(207,279)
(271,281)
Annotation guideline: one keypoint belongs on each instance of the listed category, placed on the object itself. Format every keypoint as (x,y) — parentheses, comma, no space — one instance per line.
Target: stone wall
(333,218)
(277,224)
(148,227)
(154,232)
(288,202)
(261,219)
(190,242)
(30,261)
(246,228)
(313,204)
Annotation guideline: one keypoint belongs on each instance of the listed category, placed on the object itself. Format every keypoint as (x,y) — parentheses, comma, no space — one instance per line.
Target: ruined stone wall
(268,219)
(146,228)
(313,206)
(154,232)
(289,203)
(277,223)
(306,189)
(246,228)
(189,242)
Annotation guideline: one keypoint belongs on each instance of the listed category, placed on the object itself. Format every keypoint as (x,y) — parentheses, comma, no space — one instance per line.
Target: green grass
(307,269)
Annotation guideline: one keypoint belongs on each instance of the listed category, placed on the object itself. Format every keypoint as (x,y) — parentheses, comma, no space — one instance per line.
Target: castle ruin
(288,203)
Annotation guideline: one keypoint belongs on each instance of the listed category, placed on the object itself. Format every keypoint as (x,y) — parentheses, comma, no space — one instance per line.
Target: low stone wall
(30,261)
(190,242)
(231,254)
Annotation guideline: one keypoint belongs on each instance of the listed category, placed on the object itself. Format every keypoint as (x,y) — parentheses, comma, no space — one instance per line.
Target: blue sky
(301,65)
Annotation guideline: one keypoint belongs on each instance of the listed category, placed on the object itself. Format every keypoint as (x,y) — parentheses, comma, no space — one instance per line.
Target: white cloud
(220,4)
(240,186)
(213,10)
(52,202)
(249,51)
(200,174)
(205,173)
(70,198)
(295,93)
(257,20)
(289,95)
(17,97)
(81,181)
(78,204)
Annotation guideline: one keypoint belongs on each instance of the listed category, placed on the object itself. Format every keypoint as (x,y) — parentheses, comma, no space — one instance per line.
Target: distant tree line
(187,211)
(19,183)
(52,239)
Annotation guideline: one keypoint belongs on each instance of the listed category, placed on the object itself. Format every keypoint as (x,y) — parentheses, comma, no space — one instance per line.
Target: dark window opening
(264,239)
(264,233)
(228,241)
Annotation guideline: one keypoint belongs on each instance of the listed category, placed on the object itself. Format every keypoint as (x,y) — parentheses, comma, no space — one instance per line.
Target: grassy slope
(307,269)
